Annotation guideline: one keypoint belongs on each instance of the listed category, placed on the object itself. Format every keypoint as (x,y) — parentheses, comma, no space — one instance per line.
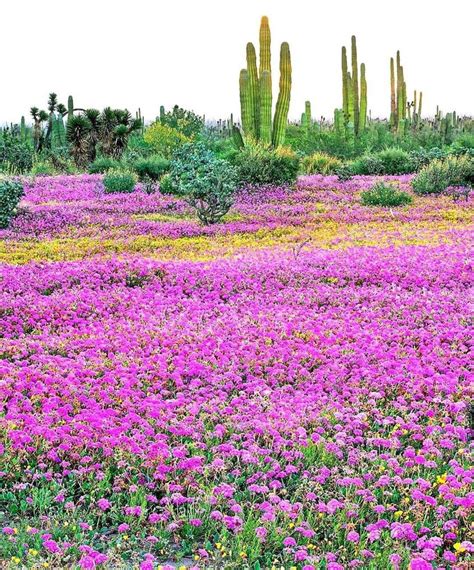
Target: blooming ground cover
(289,388)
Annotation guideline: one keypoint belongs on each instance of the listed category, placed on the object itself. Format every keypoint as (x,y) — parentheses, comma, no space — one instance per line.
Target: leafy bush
(164,140)
(151,168)
(259,165)
(382,194)
(16,155)
(320,163)
(11,192)
(184,121)
(119,181)
(43,168)
(438,175)
(103,165)
(390,161)
(423,156)
(463,144)
(205,182)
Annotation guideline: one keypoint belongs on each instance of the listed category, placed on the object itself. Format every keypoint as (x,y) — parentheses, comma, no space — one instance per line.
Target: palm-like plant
(115,128)
(38,119)
(93,116)
(77,135)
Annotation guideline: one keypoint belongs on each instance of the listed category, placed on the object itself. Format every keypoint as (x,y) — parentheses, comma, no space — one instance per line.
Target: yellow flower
(196,557)
(398,514)
(182,568)
(16,560)
(46,564)
(441,480)
(218,545)
(15,531)
(125,537)
(243,555)
(291,525)
(459,548)
(32,552)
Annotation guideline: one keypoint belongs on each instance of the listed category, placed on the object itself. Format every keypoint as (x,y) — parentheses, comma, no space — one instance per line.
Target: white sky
(143,53)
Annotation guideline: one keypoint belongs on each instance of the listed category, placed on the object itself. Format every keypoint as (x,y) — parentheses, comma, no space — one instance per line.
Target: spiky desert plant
(70,107)
(393,95)
(246,109)
(77,134)
(256,90)
(355,82)
(350,101)
(308,115)
(266,107)
(345,89)
(280,120)
(363,100)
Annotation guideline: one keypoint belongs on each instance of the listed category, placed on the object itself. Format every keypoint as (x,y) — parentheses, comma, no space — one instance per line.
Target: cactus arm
(246,109)
(265,107)
(280,120)
(363,99)
(355,82)
(345,93)
(393,96)
(254,88)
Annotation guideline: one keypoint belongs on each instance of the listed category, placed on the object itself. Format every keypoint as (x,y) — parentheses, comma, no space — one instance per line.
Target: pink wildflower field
(291,388)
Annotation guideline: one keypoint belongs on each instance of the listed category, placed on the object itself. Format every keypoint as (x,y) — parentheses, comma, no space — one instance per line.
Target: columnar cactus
(353,91)
(345,92)
(246,109)
(363,100)
(256,92)
(280,120)
(355,82)
(393,96)
(254,88)
(266,107)
(420,103)
(70,108)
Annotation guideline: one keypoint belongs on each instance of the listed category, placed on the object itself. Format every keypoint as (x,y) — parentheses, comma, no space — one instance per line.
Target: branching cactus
(256,92)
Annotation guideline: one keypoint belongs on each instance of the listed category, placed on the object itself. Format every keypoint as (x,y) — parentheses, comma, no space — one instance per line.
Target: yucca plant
(77,133)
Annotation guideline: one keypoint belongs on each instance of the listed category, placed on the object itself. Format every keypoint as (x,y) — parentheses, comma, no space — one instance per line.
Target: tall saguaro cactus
(393,96)
(345,92)
(354,93)
(280,120)
(256,91)
(363,99)
(355,82)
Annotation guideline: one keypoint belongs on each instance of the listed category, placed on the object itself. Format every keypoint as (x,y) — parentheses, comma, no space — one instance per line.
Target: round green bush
(386,195)
(320,163)
(11,192)
(151,168)
(103,165)
(438,175)
(119,181)
(391,161)
(259,165)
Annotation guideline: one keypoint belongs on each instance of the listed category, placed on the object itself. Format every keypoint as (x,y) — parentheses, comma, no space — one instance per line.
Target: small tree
(205,182)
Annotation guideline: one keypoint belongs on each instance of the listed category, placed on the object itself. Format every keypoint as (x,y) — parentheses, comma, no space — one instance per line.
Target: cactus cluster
(354,92)
(256,92)
(403,113)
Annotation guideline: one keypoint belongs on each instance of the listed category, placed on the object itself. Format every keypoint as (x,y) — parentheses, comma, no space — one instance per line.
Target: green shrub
(387,195)
(423,156)
(438,175)
(390,161)
(16,155)
(103,165)
(151,168)
(11,192)
(463,144)
(259,165)
(164,140)
(119,181)
(184,121)
(205,182)
(43,168)
(320,163)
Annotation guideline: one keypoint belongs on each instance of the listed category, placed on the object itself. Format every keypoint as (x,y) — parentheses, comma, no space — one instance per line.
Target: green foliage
(119,181)
(16,155)
(185,122)
(151,168)
(423,156)
(164,140)
(11,192)
(102,165)
(390,161)
(386,195)
(43,168)
(206,182)
(260,165)
(320,163)
(438,175)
